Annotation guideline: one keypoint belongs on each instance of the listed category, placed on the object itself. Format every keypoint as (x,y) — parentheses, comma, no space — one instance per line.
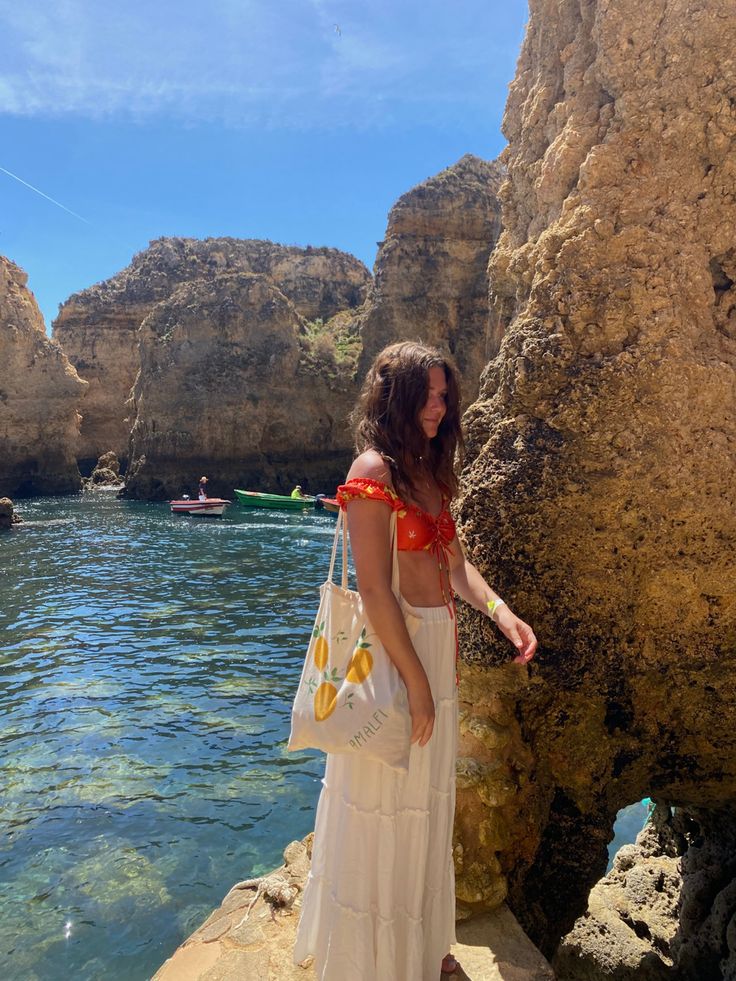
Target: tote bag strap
(342,527)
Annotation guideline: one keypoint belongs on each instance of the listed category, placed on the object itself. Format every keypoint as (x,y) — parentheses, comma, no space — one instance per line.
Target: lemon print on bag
(326,691)
(361,663)
(325,698)
(321,650)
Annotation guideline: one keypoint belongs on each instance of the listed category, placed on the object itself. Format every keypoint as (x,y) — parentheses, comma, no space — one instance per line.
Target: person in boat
(297,493)
(202,489)
(379,902)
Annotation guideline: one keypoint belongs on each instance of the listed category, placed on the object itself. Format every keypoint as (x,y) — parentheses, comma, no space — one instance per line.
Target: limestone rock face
(225,389)
(431,279)
(600,482)
(40,393)
(666,909)
(432,284)
(98,327)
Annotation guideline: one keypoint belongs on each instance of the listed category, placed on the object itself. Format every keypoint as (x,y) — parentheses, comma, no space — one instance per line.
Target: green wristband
(493,605)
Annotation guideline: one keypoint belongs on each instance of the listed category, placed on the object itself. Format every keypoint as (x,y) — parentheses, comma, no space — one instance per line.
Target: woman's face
(434,409)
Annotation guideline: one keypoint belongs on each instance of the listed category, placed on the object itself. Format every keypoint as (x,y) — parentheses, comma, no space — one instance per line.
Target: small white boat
(211,507)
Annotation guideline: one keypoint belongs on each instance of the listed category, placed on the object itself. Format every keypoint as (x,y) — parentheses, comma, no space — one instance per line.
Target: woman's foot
(449,964)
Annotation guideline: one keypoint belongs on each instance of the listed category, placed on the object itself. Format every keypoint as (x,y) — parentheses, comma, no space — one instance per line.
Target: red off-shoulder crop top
(416,529)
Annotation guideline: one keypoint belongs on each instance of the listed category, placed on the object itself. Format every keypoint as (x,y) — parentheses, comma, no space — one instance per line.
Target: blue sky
(300,121)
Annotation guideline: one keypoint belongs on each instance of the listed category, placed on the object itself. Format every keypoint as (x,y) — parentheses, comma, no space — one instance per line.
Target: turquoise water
(146,669)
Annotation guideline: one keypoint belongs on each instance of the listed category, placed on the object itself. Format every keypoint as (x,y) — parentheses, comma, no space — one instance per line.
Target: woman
(379,904)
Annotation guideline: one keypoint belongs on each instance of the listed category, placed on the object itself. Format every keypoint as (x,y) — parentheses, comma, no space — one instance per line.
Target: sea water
(147,666)
(147,663)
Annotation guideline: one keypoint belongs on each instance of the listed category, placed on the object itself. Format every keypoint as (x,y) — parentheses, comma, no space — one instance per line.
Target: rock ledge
(251,936)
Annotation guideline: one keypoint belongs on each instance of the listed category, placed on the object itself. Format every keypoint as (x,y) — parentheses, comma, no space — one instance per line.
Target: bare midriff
(419,579)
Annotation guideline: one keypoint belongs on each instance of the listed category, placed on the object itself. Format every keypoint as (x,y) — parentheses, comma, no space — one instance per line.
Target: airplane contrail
(57,203)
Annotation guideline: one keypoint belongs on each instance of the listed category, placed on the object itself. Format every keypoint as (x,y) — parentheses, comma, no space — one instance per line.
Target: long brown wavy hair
(386,417)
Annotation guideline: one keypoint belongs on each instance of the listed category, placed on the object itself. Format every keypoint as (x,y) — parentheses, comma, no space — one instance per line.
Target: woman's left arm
(469,584)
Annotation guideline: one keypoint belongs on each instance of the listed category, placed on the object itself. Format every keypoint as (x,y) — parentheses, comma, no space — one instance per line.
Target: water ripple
(146,672)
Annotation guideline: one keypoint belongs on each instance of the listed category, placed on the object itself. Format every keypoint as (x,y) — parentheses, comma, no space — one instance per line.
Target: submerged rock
(600,485)
(8,516)
(40,394)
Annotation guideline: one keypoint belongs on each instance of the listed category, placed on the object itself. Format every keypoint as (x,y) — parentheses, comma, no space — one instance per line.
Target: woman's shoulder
(370,465)
(369,478)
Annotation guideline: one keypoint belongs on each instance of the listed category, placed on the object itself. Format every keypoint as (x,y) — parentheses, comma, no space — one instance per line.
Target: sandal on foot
(449,964)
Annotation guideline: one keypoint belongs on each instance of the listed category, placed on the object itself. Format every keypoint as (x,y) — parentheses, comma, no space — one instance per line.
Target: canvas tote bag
(351,698)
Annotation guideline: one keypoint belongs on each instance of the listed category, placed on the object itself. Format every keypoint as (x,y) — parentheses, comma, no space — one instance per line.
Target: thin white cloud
(240,61)
(43,194)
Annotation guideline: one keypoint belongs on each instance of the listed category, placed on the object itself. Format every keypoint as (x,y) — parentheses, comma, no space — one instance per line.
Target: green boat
(255,499)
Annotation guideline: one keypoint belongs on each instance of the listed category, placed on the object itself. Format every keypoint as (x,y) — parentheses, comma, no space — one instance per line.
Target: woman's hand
(472,587)
(519,633)
(421,709)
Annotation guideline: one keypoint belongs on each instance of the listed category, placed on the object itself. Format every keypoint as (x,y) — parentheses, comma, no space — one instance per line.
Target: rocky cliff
(601,471)
(432,283)
(431,277)
(228,387)
(40,393)
(98,327)
(667,908)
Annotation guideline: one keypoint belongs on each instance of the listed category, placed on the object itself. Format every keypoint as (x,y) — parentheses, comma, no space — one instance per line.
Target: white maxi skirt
(379,903)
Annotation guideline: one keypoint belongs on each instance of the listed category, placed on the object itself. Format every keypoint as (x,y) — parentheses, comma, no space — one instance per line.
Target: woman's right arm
(369,526)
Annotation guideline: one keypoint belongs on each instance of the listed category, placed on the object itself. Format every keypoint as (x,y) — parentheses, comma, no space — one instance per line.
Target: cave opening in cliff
(629,822)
